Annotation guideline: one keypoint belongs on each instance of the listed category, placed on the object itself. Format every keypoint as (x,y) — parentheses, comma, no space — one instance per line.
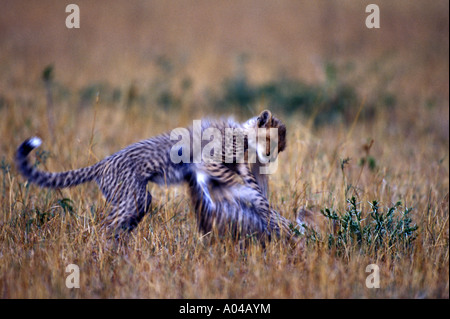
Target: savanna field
(367,116)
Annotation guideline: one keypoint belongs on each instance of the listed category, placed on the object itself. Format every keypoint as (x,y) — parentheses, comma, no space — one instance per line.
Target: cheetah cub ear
(264,119)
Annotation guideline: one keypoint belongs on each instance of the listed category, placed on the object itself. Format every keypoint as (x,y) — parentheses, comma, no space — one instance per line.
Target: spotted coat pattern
(232,199)
(123,177)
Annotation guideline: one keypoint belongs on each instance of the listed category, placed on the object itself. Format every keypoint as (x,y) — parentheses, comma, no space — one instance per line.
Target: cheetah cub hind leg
(127,211)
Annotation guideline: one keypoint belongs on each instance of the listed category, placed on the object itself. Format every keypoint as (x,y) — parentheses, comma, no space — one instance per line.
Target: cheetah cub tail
(48,179)
(24,149)
(29,145)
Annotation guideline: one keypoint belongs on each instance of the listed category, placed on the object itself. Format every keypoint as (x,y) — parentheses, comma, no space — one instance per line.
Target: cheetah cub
(123,176)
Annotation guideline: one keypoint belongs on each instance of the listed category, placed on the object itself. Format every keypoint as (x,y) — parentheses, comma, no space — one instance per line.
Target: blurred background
(367,115)
(316,57)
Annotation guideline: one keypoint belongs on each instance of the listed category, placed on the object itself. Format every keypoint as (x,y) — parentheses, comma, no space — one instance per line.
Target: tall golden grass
(120,43)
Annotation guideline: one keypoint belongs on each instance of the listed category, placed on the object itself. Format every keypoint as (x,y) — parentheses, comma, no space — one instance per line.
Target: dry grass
(119,45)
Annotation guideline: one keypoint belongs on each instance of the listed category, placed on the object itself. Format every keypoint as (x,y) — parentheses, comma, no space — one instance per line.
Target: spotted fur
(233,199)
(123,177)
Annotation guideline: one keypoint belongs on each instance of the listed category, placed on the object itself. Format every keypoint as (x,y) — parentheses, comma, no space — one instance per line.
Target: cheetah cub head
(267,145)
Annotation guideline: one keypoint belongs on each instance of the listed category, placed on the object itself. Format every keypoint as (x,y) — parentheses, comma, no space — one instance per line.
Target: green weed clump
(391,229)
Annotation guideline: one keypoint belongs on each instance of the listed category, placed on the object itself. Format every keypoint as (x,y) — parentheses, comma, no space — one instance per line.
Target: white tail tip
(35,142)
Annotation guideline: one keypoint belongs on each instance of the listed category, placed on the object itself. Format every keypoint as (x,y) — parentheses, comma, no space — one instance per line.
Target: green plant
(391,228)
(5,168)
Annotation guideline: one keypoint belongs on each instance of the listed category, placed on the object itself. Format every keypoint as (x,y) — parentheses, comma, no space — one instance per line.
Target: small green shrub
(391,228)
